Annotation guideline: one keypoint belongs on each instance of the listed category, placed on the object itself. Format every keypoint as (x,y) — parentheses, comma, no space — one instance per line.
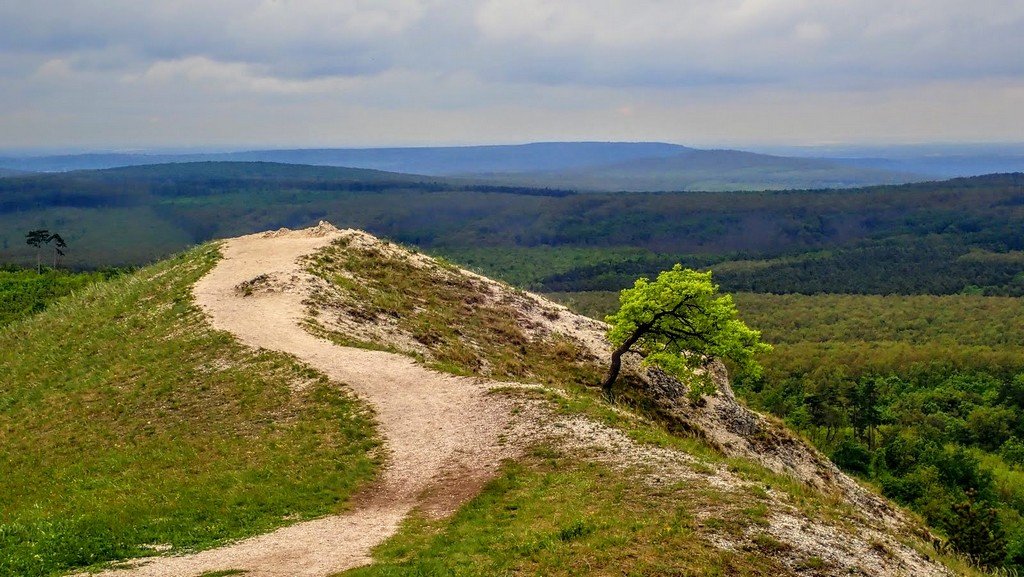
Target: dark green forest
(962,235)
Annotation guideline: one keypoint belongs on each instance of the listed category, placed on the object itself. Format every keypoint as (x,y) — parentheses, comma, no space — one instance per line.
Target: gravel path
(442,431)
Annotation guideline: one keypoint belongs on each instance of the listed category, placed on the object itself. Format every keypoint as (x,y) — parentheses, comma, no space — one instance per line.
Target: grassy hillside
(555,514)
(560,510)
(128,426)
(185,438)
(919,394)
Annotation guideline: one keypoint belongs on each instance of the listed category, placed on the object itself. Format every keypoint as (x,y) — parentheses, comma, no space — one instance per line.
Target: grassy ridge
(127,423)
(552,513)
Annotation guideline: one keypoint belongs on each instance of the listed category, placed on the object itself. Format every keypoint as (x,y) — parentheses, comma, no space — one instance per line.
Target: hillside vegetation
(25,292)
(129,427)
(156,431)
(568,512)
(920,394)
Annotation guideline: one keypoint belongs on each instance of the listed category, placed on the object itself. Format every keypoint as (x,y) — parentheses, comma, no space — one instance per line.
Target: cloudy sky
(123,74)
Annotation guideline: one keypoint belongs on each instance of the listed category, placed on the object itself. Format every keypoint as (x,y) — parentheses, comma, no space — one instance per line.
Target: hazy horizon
(819,149)
(256,74)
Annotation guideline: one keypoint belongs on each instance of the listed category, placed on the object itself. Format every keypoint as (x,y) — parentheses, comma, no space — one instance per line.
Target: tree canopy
(678,323)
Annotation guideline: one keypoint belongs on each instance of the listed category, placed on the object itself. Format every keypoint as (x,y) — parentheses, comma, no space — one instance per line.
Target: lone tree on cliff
(680,322)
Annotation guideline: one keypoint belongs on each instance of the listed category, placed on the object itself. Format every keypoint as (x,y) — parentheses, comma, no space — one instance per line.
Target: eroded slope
(370,293)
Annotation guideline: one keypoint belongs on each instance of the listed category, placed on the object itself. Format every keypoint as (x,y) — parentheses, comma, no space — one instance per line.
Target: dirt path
(442,431)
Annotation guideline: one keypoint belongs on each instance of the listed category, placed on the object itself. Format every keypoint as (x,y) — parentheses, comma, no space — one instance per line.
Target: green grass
(552,514)
(126,422)
(451,316)
(25,292)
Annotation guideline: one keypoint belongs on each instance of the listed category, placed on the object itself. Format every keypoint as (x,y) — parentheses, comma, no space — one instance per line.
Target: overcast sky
(124,74)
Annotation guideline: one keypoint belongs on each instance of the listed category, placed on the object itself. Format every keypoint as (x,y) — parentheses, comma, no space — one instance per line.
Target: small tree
(679,323)
(58,246)
(37,238)
(976,531)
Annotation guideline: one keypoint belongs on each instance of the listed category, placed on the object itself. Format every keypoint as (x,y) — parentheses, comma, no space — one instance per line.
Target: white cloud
(505,69)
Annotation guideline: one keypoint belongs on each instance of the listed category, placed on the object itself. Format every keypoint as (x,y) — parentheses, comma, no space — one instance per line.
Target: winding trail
(442,432)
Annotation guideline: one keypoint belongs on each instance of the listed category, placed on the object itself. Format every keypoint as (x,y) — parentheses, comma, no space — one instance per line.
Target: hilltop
(236,363)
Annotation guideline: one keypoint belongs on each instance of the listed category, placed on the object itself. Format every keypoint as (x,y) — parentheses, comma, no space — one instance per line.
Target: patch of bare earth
(448,435)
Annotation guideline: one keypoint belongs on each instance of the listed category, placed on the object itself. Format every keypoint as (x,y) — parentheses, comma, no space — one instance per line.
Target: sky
(130,75)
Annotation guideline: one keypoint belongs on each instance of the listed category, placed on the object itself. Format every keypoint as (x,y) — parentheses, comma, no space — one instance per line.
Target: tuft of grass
(769,544)
(127,422)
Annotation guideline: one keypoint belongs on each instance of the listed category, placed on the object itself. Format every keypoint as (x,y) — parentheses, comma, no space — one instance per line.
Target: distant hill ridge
(577,165)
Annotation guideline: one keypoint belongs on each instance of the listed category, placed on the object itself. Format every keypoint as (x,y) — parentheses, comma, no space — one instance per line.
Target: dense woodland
(894,312)
(963,235)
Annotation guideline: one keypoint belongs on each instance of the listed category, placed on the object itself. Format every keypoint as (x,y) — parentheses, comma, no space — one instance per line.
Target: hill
(541,475)
(129,426)
(435,161)
(579,165)
(712,170)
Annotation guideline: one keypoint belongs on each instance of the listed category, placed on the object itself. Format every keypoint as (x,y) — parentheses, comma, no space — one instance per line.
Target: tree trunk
(613,370)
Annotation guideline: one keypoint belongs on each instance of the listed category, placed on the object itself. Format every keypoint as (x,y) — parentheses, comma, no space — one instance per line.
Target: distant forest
(957,236)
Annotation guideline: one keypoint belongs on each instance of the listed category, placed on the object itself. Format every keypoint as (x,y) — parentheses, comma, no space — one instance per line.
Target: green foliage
(852,456)
(126,422)
(1012,451)
(679,321)
(25,292)
(977,532)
